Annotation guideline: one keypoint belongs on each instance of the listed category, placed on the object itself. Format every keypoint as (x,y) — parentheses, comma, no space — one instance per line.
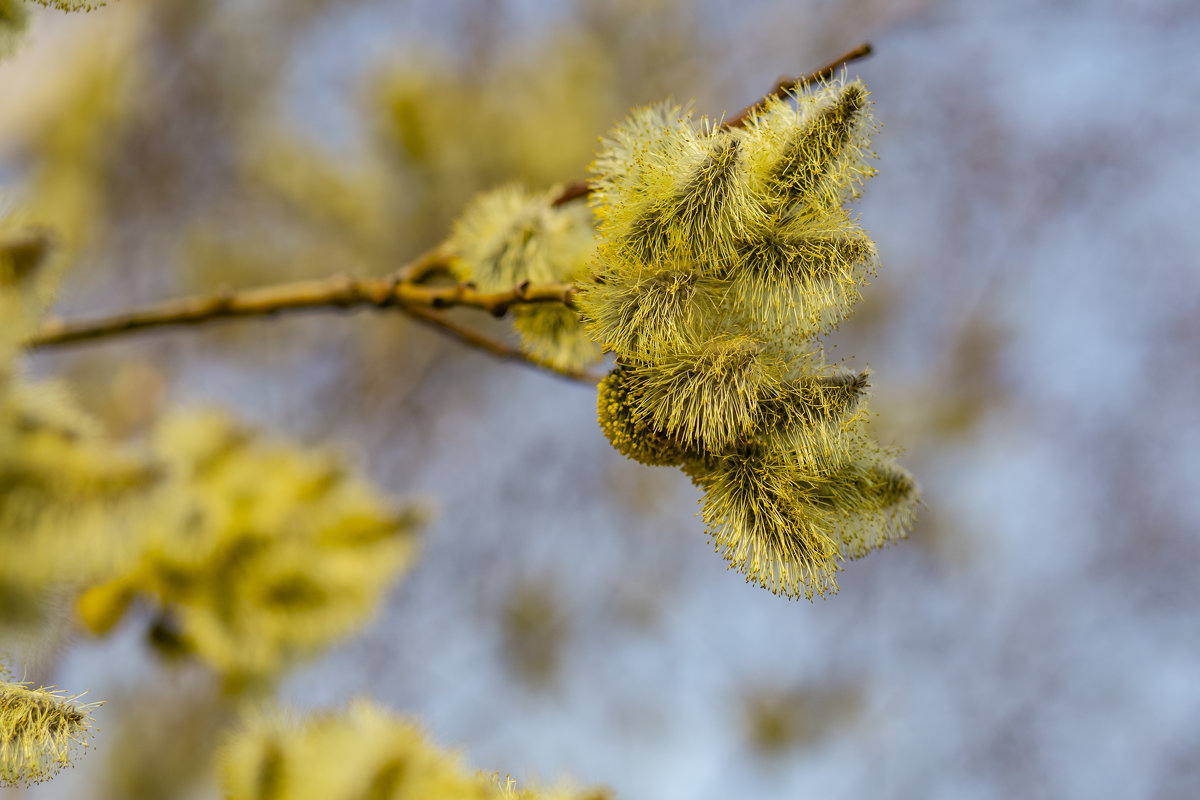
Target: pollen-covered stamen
(649,238)
(810,155)
(803,282)
(779,256)
(554,335)
(505,262)
(509,235)
(640,315)
(40,730)
(833,257)
(616,408)
(761,525)
(709,209)
(705,395)
(811,400)
(702,219)
(892,485)
(864,486)
(664,298)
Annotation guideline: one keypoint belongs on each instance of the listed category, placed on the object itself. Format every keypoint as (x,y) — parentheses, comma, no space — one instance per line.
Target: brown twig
(783,87)
(339,292)
(500,350)
(787,84)
(572,191)
(425,266)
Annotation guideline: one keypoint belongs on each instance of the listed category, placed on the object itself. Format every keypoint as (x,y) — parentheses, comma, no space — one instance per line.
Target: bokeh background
(1034,335)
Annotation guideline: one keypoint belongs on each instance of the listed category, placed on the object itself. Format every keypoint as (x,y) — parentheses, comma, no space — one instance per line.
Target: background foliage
(1031,335)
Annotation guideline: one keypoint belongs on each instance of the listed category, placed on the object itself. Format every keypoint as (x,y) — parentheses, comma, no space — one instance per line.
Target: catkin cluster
(361,753)
(723,254)
(258,553)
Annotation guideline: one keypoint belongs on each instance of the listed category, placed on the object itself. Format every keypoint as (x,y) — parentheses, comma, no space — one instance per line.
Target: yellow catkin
(633,438)
(641,315)
(68,506)
(14,18)
(41,731)
(70,493)
(361,753)
(259,553)
(508,236)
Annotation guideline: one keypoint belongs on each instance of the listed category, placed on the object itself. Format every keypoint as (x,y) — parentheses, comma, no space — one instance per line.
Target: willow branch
(783,87)
(403,289)
(505,352)
(428,264)
(337,293)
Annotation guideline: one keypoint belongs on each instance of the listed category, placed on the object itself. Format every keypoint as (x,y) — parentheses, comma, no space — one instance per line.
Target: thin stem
(783,87)
(336,293)
(787,84)
(500,350)
(428,264)
(572,191)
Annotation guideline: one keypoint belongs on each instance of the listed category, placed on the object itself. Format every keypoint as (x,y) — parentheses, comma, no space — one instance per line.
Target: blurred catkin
(509,236)
(256,553)
(13,19)
(363,752)
(68,491)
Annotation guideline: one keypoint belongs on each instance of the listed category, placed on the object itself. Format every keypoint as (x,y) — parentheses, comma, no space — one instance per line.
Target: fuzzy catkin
(41,730)
(509,236)
(361,752)
(67,491)
(722,255)
(260,553)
